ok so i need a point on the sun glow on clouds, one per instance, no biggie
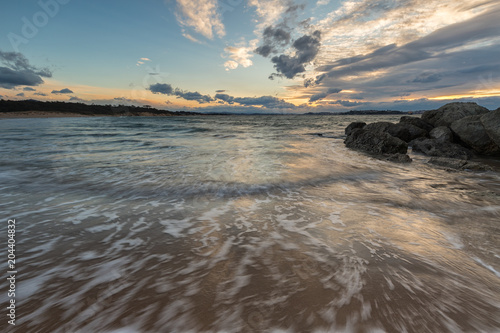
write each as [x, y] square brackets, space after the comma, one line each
[202, 16]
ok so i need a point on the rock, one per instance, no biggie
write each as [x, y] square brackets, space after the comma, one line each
[375, 142]
[405, 131]
[441, 134]
[398, 158]
[471, 131]
[351, 126]
[451, 112]
[432, 147]
[459, 164]
[447, 162]
[491, 123]
[419, 122]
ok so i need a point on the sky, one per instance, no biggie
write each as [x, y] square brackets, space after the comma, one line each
[246, 56]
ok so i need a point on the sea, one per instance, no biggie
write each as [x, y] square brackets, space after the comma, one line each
[250, 223]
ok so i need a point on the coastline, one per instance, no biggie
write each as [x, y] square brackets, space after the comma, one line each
[39, 114]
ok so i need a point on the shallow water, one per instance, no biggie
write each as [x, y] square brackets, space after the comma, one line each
[241, 224]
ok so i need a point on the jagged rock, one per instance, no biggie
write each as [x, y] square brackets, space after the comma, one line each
[407, 132]
[375, 142]
[441, 134]
[459, 164]
[416, 122]
[432, 147]
[398, 158]
[471, 131]
[352, 126]
[491, 123]
[447, 114]
[403, 131]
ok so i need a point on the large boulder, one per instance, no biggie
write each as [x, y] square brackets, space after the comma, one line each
[352, 126]
[432, 147]
[442, 134]
[375, 142]
[403, 131]
[447, 114]
[406, 132]
[491, 123]
[415, 121]
[470, 130]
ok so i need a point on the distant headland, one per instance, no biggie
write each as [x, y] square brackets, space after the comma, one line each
[39, 109]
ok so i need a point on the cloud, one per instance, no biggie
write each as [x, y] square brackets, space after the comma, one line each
[62, 91]
[145, 59]
[451, 61]
[427, 78]
[202, 16]
[166, 89]
[76, 99]
[39, 94]
[20, 95]
[269, 102]
[190, 37]
[18, 72]
[240, 55]
[306, 49]
[161, 88]
[320, 96]
[28, 89]
[193, 96]
[220, 91]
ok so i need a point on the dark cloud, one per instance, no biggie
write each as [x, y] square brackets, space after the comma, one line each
[274, 39]
[220, 91]
[29, 89]
[427, 78]
[225, 97]
[277, 35]
[62, 91]
[76, 99]
[306, 48]
[161, 88]
[20, 95]
[18, 72]
[263, 101]
[193, 96]
[317, 97]
[320, 96]
[166, 89]
[40, 94]
[264, 50]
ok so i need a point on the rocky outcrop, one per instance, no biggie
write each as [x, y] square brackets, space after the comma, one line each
[441, 134]
[403, 131]
[419, 122]
[491, 123]
[471, 131]
[375, 142]
[432, 147]
[452, 135]
[352, 126]
[447, 114]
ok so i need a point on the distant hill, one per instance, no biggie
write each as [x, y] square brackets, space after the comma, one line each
[85, 109]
